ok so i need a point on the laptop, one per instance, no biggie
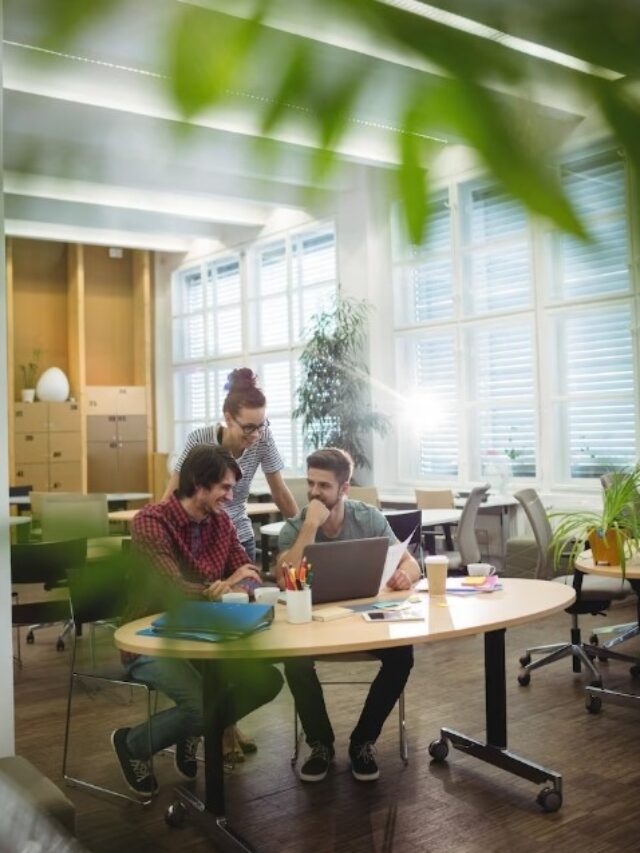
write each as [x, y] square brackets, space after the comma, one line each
[346, 569]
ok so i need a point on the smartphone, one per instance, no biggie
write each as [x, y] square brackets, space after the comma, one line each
[410, 615]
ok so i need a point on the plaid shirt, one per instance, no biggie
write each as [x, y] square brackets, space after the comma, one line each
[185, 555]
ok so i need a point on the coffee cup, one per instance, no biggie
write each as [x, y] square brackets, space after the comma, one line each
[235, 598]
[436, 567]
[480, 570]
[266, 594]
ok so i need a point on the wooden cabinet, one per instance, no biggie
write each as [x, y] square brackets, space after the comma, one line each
[117, 451]
[88, 311]
[48, 447]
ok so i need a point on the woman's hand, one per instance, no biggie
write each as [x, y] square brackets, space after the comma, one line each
[241, 574]
[216, 590]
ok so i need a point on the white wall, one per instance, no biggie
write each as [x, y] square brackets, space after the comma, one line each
[7, 732]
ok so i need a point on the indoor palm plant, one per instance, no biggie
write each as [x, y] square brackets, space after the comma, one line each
[613, 533]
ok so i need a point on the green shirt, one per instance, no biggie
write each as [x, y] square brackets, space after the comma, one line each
[361, 521]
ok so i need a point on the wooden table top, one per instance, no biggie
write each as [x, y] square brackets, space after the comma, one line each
[446, 617]
[632, 569]
[253, 510]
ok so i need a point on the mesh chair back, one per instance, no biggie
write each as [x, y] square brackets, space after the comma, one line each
[434, 499]
[366, 494]
[46, 562]
[466, 540]
[73, 515]
[533, 508]
[298, 488]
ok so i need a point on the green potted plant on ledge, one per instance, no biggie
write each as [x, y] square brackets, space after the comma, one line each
[29, 373]
[613, 533]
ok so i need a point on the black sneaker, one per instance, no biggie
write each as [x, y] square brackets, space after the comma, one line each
[317, 764]
[363, 761]
[137, 773]
[185, 757]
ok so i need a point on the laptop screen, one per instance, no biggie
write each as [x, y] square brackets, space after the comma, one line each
[346, 569]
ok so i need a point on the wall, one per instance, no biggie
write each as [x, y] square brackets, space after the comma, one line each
[7, 742]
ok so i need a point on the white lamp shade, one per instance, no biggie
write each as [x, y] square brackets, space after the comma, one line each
[53, 386]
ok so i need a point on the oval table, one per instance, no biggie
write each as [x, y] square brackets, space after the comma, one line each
[445, 618]
[595, 695]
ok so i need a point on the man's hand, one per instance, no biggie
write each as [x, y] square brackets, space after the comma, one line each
[241, 574]
[399, 580]
[216, 590]
[317, 513]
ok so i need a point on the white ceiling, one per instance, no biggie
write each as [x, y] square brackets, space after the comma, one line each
[93, 148]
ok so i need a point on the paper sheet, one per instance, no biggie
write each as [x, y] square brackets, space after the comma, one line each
[394, 555]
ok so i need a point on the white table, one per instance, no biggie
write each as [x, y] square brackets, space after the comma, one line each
[113, 498]
[446, 617]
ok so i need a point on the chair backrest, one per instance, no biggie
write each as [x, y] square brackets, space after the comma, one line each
[19, 491]
[98, 592]
[298, 488]
[366, 494]
[46, 562]
[536, 514]
[434, 499]
[406, 524]
[73, 515]
[466, 539]
[609, 479]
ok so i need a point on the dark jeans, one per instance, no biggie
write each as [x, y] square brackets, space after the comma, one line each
[249, 685]
[249, 546]
[383, 694]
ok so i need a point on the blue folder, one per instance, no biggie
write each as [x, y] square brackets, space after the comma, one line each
[212, 620]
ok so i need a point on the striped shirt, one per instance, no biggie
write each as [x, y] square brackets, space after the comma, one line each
[264, 453]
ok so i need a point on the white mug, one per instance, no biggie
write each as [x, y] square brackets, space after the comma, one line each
[235, 598]
[480, 570]
[266, 594]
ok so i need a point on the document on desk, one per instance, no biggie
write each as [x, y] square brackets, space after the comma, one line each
[394, 555]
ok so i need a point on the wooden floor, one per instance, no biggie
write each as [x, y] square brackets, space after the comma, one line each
[462, 806]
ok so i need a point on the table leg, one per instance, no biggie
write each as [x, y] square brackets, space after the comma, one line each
[495, 751]
[211, 814]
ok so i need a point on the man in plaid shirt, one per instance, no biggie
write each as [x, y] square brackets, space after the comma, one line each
[190, 549]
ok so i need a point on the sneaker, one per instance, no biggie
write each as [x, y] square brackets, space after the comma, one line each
[363, 761]
[136, 772]
[185, 757]
[317, 764]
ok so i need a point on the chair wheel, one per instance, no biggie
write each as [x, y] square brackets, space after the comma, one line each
[593, 640]
[549, 799]
[60, 646]
[176, 815]
[30, 638]
[524, 678]
[439, 749]
[593, 704]
[635, 670]
[525, 659]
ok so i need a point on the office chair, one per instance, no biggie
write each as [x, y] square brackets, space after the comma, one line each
[629, 629]
[66, 516]
[298, 488]
[437, 499]
[467, 548]
[97, 594]
[405, 524]
[593, 595]
[366, 494]
[45, 563]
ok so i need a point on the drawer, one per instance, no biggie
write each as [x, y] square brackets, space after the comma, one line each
[64, 417]
[31, 417]
[36, 476]
[132, 400]
[31, 447]
[132, 427]
[64, 447]
[102, 427]
[65, 477]
[101, 399]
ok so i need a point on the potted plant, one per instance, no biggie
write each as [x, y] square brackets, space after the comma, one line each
[613, 533]
[29, 373]
[333, 397]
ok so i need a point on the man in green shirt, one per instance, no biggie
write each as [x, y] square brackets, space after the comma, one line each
[330, 516]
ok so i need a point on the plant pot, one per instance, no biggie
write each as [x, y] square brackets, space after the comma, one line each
[28, 395]
[605, 548]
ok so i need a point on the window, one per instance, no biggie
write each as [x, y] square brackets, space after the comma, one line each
[521, 357]
[215, 329]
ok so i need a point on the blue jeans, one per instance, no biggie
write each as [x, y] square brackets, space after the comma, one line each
[249, 546]
[250, 685]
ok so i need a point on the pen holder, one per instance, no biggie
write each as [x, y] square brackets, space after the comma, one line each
[299, 605]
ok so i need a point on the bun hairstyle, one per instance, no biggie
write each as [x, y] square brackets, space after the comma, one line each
[242, 392]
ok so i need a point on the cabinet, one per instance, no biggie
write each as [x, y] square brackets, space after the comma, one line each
[88, 311]
[48, 451]
[117, 449]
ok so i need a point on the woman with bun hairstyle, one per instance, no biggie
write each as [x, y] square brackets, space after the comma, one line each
[246, 435]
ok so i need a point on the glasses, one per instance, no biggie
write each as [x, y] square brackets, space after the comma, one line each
[249, 429]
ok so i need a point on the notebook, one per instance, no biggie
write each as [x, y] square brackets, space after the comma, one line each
[346, 569]
[217, 618]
